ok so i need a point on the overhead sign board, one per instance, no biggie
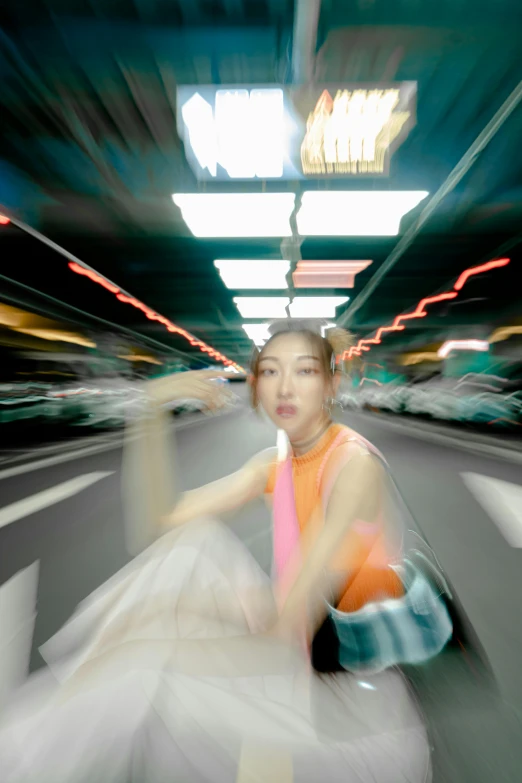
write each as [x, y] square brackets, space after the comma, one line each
[274, 132]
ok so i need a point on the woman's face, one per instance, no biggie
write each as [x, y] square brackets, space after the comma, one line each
[291, 385]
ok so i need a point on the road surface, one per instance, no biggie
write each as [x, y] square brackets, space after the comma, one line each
[67, 515]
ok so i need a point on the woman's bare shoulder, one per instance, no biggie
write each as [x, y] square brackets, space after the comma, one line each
[350, 454]
[348, 441]
[264, 460]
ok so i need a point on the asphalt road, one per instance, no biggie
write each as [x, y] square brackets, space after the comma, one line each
[78, 539]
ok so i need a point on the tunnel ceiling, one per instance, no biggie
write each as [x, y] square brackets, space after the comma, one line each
[90, 154]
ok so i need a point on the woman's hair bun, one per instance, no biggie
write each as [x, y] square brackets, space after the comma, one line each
[340, 340]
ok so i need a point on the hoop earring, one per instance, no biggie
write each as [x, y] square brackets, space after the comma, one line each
[328, 405]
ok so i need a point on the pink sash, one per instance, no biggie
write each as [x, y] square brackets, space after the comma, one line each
[286, 530]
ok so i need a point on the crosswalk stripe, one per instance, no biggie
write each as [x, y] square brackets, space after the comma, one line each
[502, 501]
[48, 497]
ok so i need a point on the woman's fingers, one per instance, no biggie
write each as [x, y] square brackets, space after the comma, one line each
[198, 384]
[217, 374]
[216, 394]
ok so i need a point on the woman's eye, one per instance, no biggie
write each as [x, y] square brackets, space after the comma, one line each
[267, 373]
[307, 371]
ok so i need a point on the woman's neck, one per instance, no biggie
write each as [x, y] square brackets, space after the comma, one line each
[301, 446]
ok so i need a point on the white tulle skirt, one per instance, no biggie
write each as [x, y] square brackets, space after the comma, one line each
[225, 704]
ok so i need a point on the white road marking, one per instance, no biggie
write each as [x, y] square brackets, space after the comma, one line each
[503, 502]
[49, 462]
[17, 617]
[48, 497]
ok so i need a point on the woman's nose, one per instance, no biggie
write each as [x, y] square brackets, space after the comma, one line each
[285, 387]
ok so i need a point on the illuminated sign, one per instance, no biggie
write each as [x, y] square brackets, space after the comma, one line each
[352, 133]
[280, 133]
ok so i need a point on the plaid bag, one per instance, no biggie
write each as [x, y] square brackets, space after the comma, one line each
[407, 630]
[427, 632]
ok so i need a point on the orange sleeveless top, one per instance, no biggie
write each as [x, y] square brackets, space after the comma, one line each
[363, 556]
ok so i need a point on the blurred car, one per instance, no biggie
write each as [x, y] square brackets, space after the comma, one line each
[442, 399]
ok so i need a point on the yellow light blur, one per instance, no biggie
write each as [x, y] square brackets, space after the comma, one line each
[504, 332]
[11, 316]
[25, 322]
[140, 358]
[417, 358]
[56, 335]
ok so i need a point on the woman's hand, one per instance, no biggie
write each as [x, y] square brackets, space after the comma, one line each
[196, 385]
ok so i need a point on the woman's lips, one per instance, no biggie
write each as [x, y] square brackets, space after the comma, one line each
[285, 411]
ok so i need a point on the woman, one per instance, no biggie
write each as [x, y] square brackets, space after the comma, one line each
[189, 662]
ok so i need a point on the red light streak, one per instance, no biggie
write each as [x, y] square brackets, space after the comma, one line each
[509, 421]
[4, 221]
[372, 341]
[151, 314]
[478, 270]
[420, 310]
[80, 270]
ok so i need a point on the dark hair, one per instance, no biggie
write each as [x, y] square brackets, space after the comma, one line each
[321, 345]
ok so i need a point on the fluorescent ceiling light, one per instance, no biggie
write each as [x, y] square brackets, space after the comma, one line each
[355, 213]
[316, 306]
[258, 333]
[262, 306]
[327, 274]
[462, 345]
[254, 274]
[237, 214]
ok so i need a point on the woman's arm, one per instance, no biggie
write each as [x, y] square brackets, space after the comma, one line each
[226, 494]
[151, 495]
[150, 478]
[149, 472]
[355, 494]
